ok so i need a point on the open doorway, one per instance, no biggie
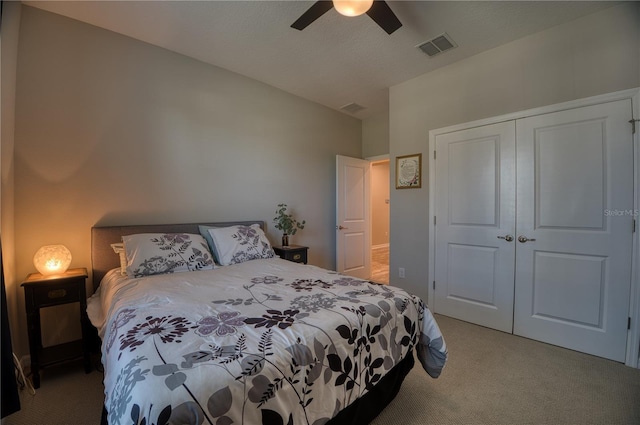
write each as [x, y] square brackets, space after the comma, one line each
[380, 221]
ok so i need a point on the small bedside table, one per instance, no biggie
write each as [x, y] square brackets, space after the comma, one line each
[295, 253]
[46, 291]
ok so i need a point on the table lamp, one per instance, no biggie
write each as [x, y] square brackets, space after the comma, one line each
[52, 259]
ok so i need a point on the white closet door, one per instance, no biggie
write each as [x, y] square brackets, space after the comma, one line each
[575, 196]
[475, 208]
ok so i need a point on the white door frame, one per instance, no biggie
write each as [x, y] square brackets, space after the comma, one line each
[372, 160]
[633, 335]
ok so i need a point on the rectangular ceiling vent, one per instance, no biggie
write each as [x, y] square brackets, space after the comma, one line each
[352, 108]
[437, 45]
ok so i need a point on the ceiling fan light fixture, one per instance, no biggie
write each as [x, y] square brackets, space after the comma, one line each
[352, 7]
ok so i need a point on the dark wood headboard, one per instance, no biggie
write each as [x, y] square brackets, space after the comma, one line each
[103, 258]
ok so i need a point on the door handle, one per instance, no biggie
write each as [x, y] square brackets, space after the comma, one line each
[523, 239]
[507, 238]
[341, 227]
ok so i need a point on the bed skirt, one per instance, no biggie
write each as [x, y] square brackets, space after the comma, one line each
[367, 407]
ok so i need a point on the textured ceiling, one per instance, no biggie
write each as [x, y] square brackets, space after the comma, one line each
[336, 60]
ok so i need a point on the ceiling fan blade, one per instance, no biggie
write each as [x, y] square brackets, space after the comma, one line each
[382, 14]
[318, 9]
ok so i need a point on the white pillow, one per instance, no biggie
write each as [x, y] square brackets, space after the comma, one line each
[118, 248]
[158, 253]
[237, 244]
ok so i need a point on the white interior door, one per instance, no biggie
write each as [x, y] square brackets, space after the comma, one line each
[353, 223]
[574, 204]
[475, 225]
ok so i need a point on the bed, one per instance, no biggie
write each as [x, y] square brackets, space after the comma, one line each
[259, 340]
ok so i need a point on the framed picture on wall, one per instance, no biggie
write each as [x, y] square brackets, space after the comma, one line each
[409, 171]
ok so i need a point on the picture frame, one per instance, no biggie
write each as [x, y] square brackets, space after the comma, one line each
[409, 171]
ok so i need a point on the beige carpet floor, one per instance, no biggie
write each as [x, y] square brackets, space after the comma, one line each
[67, 396]
[490, 378]
[496, 378]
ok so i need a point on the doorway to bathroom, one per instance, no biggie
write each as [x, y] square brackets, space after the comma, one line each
[380, 184]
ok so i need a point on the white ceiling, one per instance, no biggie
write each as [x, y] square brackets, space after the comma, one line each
[336, 60]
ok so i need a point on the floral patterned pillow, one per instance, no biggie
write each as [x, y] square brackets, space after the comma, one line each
[159, 253]
[237, 244]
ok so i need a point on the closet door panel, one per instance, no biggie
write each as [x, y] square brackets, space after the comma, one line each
[569, 173]
[574, 183]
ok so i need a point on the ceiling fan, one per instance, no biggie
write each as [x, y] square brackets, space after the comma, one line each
[377, 10]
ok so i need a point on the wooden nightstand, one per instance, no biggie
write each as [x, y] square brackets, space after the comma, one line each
[46, 291]
[295, 253]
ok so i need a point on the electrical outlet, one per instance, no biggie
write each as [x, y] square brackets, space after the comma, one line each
[401, 272]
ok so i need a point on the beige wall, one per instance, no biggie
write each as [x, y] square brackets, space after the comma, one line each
[379, 204]
[375, 135]
[110, 130]
[597, 54]
[8, 61]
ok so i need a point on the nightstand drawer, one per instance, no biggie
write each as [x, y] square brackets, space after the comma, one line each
[293, 253]
[56, 294]
[298, 257]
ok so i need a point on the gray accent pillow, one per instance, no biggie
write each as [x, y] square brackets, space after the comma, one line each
[204, 231]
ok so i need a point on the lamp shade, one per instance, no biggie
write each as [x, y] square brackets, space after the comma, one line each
[52, 259]
[352, 7]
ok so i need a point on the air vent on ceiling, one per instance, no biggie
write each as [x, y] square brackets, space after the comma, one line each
[437, 45]
[352, 108]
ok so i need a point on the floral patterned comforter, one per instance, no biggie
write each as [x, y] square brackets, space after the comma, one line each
[266, 341]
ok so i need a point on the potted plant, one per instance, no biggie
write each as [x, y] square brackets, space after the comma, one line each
[287, 223]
